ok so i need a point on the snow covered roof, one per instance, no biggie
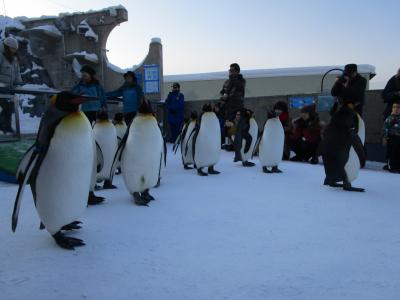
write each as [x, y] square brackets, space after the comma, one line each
[261, 73]
[7, 22]
[112, 11]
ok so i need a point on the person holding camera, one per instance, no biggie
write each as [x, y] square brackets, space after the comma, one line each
[351, 87]
[232, 93]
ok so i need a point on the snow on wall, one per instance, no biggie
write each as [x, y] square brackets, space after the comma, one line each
[48, 29]
[7, 22]
[91, 57]
[88, 31]
[120, 70]
[76, 66]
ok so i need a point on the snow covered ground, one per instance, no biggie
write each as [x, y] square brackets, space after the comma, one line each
[239, 235]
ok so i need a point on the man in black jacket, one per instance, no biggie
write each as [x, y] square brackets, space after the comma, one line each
[391, 93]
[351, 87]
[232, 92]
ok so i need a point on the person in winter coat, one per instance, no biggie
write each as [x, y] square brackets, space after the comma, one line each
[306, 135]
[282, 111]
[351, 87]
[232, 92]
[132, 96]
[9, 77]
[391, 138]
[391, 93]
[90, 86]
[175, 104]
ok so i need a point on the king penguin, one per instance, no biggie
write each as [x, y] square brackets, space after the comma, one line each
[141, 154]
[59, 168]
[271, 144]
[207, 142]
[105, 135]
[342, 147]
[121, 128]
[185, 141]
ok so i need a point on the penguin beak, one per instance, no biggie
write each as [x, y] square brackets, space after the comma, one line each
[78, 100]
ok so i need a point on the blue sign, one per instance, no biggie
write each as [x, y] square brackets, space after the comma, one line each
[325, 102]
[301, 101]
[151, 79]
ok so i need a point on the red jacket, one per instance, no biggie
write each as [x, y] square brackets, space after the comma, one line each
[309, 130]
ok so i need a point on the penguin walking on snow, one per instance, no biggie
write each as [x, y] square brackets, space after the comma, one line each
[141, 155]
[245, 138]
[271, 144]
[121, 128]
[342, 148]
[105, 135]
[59, 169]
[185, 141]
[207, 142]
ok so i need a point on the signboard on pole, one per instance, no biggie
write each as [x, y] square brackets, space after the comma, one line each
[151, 79]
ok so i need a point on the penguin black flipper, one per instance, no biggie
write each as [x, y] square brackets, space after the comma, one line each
[257, 144]
[180, 138]
[99, 158]
[22, 166]
[358, 147]
[23, 181]
[195, 132]
[118, 154]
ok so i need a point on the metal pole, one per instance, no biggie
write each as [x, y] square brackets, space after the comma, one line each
[323, 77]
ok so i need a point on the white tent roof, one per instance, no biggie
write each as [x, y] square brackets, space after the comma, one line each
[260, 73]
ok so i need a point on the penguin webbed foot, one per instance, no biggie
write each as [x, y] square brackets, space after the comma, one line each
[248, 164]
[108, 185]
[146, 195]
[93, 199]
[212, 171]
[72, 226]
[349, 188]
[276, 170]
[265, 170]
[66, 242]
[201, 172]
[140, 200]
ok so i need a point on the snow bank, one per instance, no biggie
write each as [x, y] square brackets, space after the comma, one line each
[120, 70]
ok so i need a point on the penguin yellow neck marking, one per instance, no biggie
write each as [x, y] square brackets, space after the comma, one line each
[102, 121]
[75, 119]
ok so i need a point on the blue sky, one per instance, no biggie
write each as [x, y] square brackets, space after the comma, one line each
[205, 36]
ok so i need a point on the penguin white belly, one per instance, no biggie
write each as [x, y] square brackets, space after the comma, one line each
[352, 166]
[63, 180]
[140, 161]
[187, 143]
[106, 136]
[253, 131]
[271, 144]
[208, 141]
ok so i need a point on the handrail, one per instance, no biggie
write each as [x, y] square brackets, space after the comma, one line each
[323, 77]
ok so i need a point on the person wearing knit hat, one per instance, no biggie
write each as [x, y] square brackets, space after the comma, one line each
[351, 87]
[9, 77]
[306, 135]
[132, 96]
[90, 86]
